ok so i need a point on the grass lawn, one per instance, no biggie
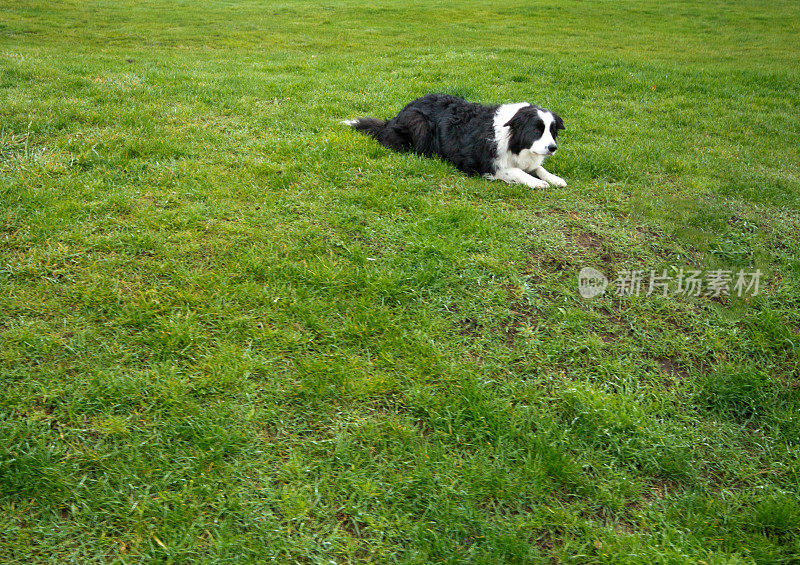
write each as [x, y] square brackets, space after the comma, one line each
[236, 331]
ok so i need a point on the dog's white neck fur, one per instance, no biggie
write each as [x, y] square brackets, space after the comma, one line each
[502, 134]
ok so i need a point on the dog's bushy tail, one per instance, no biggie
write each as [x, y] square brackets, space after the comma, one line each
[370, 126]
[388, 134]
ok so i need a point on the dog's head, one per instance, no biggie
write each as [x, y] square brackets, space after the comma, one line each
[534, 129]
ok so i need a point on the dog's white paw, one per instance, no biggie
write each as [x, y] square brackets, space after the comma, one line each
[538, 183]
[557, 181]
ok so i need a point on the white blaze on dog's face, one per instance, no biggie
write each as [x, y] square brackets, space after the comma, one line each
[546, 144]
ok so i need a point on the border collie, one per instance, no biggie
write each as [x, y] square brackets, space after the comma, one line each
[508, 142]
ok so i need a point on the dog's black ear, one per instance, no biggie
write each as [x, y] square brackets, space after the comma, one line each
[519, 133]
[517, 121]
[559, 122]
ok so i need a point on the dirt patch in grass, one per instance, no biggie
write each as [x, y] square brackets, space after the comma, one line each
[593, 244]
[588, 241]
[470, 327]
[673, 371]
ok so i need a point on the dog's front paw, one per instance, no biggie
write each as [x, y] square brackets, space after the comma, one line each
[557, 181]
[538, 183]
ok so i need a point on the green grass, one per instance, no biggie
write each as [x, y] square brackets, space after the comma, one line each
[235, 331]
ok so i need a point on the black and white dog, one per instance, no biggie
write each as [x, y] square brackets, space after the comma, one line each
[507, 142]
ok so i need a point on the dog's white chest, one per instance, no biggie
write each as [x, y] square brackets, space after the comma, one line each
[526, 160]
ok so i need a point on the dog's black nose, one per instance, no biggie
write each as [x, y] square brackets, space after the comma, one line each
[552, 148]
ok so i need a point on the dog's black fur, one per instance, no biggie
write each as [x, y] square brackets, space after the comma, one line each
[456, 130]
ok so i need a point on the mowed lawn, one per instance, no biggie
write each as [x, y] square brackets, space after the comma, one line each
[235, 331]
